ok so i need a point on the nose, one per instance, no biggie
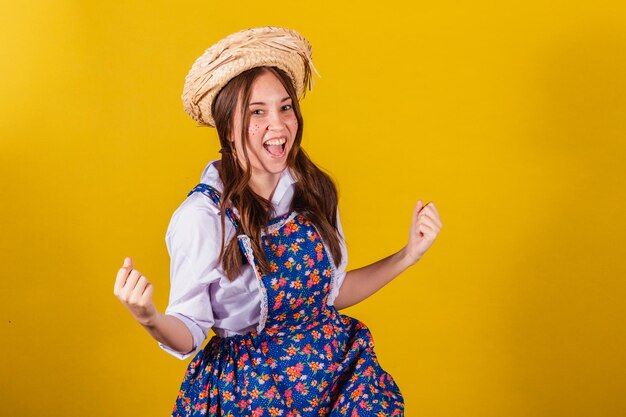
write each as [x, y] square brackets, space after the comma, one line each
[275, 121]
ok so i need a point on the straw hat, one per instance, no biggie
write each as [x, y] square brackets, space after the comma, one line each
[238, 52]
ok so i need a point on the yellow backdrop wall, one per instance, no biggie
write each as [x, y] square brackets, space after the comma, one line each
[508, 115]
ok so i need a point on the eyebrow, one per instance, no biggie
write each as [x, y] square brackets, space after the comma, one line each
[260, 102]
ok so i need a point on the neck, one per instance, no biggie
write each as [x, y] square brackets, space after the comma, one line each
[264, 184]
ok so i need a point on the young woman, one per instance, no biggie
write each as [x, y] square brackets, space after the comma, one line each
[257, 254]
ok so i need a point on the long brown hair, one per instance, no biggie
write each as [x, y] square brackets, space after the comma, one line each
[315, 195]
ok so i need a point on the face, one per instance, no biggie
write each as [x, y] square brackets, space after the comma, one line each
[272, 128]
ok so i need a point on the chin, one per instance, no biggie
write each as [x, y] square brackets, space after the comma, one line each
[275, 167]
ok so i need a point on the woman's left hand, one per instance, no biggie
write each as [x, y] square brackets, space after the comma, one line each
[425, 227]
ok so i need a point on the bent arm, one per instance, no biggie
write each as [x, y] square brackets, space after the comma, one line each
[362, 282]
[135, 292]
[170, 331]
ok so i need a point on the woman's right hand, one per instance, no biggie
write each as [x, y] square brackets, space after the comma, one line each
[135, 292]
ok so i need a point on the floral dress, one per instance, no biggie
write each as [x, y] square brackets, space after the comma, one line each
[305, 358]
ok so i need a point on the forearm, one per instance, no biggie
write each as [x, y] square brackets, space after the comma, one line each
[170, 331]
[362, 282]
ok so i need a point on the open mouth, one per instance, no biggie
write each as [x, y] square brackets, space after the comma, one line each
[275, 147]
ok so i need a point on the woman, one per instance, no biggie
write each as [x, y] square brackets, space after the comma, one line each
[257, 254]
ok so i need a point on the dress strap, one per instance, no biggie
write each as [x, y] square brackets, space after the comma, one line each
[215, 196]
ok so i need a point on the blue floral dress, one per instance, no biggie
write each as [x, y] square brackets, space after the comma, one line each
[307, 360]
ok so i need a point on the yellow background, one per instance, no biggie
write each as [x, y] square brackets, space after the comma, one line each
[508, 115]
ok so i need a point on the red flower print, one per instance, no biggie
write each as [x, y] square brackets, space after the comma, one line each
[288, 396]
[270, 393]
[275, 411]
[316, 366]
[329, 352]
[243, 360]
[314, 279]
[301, 388]
[290, 228]
[279, 300]
[328, 330]
[365, 405]
[295, 371]
[278, 283]
[293, 227]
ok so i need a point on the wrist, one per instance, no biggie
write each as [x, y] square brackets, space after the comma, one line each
[149, 321]
[405, 259]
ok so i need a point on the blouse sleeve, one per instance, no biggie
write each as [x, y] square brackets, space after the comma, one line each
[340, 270]
[193, 238]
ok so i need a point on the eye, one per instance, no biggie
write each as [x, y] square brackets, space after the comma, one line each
[287, 107]
[257, 111]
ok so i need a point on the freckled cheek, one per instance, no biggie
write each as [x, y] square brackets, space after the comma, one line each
[253, 129]
[292, 121]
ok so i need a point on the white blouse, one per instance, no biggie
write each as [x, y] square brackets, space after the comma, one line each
[201, 295]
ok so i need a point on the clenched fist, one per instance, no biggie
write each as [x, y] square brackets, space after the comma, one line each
[425, 227]
[135, 292]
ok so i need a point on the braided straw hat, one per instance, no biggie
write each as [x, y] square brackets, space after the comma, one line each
[238, 52]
